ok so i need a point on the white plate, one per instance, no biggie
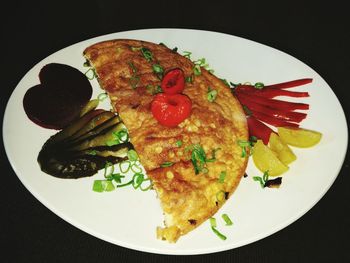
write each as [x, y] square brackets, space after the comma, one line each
[127, 217]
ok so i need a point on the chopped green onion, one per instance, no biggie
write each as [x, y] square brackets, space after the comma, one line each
[92, 152]
[260, 180]
[212, 94]
[227, 220]
[174, 49]
[221, 236]
[245, 145]
[107, 165]
[162, 44]
[157, 69]
[225, 82]
[266, 176]
[90, 73]
[212, 222]
[247, 111]
[189, 79]
[136, 168]
[132, 66]
[86, 64]
[126, 184]
[259, 85]
[187, 54]
[103, 186]
[178, 143]
[166, 164]
[132, 155]
[197, 70]
[147, 54]
[102, 96]
[122, 167]
[222, 177]
[112, 142]
[122, 135]
[117, 177]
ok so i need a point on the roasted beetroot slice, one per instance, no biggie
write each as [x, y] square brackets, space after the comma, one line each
[49, 109]
[68, 80]
[60, 97]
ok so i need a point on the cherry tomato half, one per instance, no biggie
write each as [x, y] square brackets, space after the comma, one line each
[171, 109]
[173, 81]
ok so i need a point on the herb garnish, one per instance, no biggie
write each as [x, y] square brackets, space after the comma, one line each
[213, 228]
[199, 158]
[262, 180]
[166, 164]
[227, 220]
[212, 94]
[222, 177]
[147, 54]
[178, 143]
[246, 147]
[158, 69]
[91, 74]
[259, 85]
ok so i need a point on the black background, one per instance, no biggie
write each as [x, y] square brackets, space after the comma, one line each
[316, 33]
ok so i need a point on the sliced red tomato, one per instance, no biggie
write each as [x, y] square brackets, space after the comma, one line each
[173, 81]
[171, 109]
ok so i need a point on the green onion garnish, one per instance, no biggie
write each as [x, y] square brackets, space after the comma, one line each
[102, 96]
[166, 164]
[222, 177]
[221, 236]
[92, 152]
[132, 155]
[227, 220]
[132, 66]
[246, 146]
[112, 142]
[189, 79]
[212, 222]
[117, 177]
[262, 180]
[178, 143]
[174, 49]
[220, 196]
[147, 54]
[125, 166]
[103, 186]
[225, 82]
[136, 168]
[211, 95]
[91, 73]
[187, 54]
[259, 85]
[197, 70]
[157, 69]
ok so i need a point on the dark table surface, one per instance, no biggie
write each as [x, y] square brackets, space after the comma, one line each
[317, 34]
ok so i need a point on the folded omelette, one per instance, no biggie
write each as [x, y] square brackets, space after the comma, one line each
[204, 161]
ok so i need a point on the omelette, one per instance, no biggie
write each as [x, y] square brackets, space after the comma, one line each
[204, 162]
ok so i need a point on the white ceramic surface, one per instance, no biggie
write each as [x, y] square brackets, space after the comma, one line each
[129, 218]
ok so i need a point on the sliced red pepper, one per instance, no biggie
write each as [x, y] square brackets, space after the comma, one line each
[290, 84]
[171, 109]
[280, 104]
[173, 81]
[269, 92]
[259, 129]
[277, 113]
[272, 120]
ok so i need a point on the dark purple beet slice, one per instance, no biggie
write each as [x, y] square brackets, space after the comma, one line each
[63, 77]
[60, 97]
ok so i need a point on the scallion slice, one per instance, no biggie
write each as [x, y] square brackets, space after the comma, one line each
[212, 222]
[132, 155]
[147, 54]
[227, 220]
[212, 94]
[166, 164]
[222, 177]
[221, 236]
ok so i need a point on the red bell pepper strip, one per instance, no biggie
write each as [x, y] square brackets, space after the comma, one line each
[268, 92]
[277, 113]
[259, 129]
[290, 84]
[280, 104]
[272, 120]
